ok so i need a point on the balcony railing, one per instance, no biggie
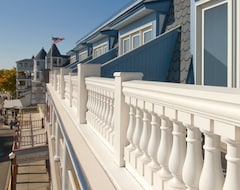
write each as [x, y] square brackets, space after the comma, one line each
[168, 136]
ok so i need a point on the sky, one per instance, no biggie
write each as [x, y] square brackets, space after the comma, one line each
[27, 26]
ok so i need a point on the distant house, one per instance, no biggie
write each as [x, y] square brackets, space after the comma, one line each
[24, 73]
[33, 74]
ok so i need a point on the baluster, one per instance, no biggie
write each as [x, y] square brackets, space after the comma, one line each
[177, 156]
[232, 180]
[112, 126]
[106, 114]
[102, 107]
[193, 162]
[109, 133]
[144, 140]
[153, 147]
[137, 135]
[98, 99]
[103, 111]
[88, 113]
[109, 117]
[212, 175]
[95, 104]
[130, 133]
[163, 154]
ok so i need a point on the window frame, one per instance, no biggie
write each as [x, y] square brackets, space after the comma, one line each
[102, 48]
[200, 9]
[82, 55]
[131, 34]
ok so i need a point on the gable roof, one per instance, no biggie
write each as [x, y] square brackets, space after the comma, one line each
[41, 55]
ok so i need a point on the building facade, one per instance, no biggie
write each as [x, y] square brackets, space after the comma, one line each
[150, 100]
[33, 74]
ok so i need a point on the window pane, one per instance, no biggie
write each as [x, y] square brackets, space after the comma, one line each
[126, 45]
[136, 41]
[147, 36]
[215, 46]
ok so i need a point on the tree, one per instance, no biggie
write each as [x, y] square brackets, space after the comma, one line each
[8, 80]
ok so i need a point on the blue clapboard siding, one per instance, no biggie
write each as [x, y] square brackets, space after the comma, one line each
[105, 57]
[152, 59]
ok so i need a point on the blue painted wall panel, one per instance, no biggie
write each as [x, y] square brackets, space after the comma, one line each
[152, 59]
[105, 57]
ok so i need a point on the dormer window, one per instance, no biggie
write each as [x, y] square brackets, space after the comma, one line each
[99, 50]
[83, 55]
[136, 38]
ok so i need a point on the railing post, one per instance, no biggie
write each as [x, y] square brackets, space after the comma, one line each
[85, 70]
[121, 116]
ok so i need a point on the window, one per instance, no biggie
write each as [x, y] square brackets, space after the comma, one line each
[135, 41]
[73, 59]
[136, 38]
[82, 55]
[126, 45]
[147, 36]
[215, 43]
[99, 50]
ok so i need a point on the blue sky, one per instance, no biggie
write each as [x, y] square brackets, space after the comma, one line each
[28, 25]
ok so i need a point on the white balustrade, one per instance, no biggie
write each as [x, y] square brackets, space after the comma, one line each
[179, 163]
[100, 107]
[174, 133]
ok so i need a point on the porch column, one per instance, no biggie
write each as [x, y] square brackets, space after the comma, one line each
[121, 116]
[85, 70]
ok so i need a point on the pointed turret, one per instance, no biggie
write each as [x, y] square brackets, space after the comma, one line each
[41, 55]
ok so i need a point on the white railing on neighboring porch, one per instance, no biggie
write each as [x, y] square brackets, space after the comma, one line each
[169, 136]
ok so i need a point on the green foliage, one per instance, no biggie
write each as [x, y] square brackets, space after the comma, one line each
[8, 80]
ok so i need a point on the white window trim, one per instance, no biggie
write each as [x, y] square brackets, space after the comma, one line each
[140, 40]
[237, 10]
[145, 31]
[199, 40]
[103, 45]
[137, 31]
[81, 54]
[123, 47]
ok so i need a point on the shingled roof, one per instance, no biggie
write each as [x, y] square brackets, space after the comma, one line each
[179, 15]
[41, 55]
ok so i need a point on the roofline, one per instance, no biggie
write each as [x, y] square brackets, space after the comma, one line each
[123, 11]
